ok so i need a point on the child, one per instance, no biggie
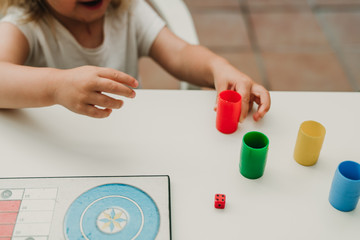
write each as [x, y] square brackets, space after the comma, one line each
[71, 52]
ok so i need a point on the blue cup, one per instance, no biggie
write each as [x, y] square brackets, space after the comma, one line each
[345, 188]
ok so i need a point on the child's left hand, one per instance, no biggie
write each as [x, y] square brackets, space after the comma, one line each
[199, 66]
[227, 77]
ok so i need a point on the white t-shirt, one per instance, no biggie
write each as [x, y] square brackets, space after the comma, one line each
[127, 36]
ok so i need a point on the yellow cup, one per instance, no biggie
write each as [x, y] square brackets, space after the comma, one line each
[309, 142]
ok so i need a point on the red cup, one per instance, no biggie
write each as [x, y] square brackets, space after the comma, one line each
[228, 111]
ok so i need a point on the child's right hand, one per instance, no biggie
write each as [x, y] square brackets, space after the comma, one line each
[81, 89]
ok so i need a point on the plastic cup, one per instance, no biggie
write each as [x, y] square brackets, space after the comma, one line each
[253, 155]
[345, 188]
[228, 111]
[309, 142]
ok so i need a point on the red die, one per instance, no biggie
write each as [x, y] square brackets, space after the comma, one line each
[220, 200]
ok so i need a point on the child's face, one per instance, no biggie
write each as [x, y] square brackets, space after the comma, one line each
[80, 10]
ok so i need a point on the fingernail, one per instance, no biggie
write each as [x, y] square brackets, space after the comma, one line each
[136, 83]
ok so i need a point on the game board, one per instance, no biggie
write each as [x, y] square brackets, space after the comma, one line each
[89, 208]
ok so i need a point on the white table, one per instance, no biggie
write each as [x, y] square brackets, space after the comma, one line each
[173, 133]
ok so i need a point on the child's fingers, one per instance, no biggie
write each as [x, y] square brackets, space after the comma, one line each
[244, 91]
[104, 101]
[245, 101]
[118, 77]
[92, 111]
[262, 110]
[262, 98]
[108, 86]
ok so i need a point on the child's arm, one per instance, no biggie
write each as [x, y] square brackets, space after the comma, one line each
[200, 66]
[78, 89]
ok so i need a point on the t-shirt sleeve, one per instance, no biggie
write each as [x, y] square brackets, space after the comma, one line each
[148, 25]
[15, 16]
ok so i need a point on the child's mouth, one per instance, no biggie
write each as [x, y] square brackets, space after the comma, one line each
[94, 4]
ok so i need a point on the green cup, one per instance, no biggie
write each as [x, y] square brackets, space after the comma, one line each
[253, 155]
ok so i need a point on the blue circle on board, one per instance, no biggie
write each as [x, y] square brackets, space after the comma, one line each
[112, 211]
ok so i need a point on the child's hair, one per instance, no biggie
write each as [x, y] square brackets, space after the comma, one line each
[39, 9]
